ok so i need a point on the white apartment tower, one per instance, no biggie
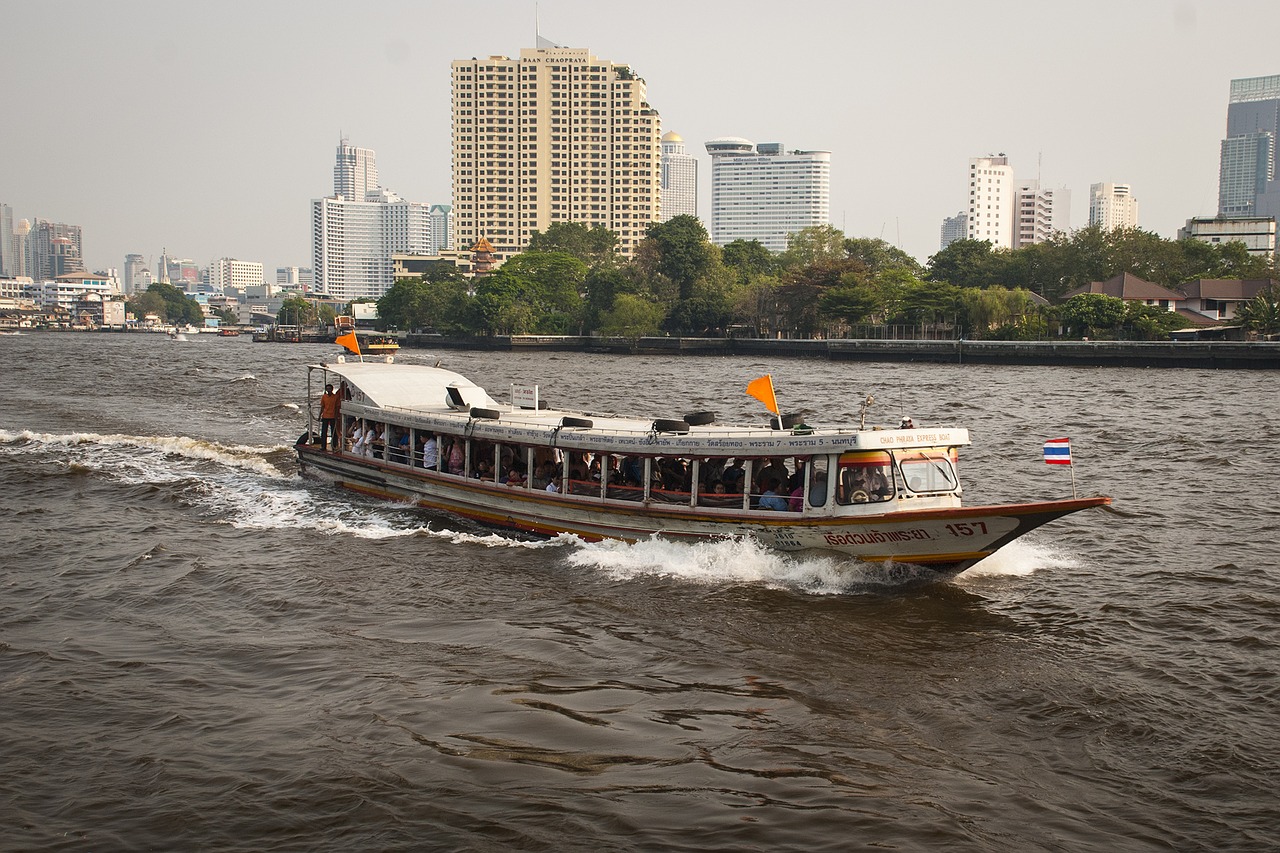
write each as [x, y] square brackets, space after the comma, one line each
[679, 179]
[1112, 206]
[1034, 212]
[352, 240]
[557, 135]
[953, 228]
[991, 201]
[764, 192]
[355, 174]
[227, 273]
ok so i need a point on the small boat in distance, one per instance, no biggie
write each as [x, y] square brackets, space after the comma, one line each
[431, 436]
[228, 333]
[378, 344]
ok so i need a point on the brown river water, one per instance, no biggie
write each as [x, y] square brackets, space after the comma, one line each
[201, 651]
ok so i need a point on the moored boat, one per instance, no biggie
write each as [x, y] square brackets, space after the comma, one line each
[431, 436]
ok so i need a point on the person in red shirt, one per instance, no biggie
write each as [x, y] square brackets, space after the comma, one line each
[329, 407]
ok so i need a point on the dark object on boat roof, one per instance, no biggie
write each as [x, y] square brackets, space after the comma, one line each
[665, 425]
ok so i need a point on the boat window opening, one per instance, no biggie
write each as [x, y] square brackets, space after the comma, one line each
[819, 485]
[774, 482]
[928, 471]
[670, 480]
[864, 477]
[580, 482]
[621, 484]
[398, 445]
[717, 490]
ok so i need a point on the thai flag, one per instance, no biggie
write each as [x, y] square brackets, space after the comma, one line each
[1057, 451]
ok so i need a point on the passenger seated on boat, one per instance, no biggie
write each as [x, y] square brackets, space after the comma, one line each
[358, 435]
[633, 470]
[457, 457]
[428, 451]
[594, 471]
[734, 476]
[515, 478]
[772, 469]
[483, 470]
[770, 499]
[375, 444]
[548, 474]
[399, 449]
[796, 502]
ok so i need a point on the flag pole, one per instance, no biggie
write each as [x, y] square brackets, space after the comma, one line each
[1072, 467]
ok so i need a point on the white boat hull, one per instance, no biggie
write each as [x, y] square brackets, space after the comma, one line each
[947, 540]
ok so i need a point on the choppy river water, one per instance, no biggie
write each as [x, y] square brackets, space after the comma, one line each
[199, 650]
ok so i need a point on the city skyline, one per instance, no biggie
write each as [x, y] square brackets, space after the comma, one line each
[882, 88]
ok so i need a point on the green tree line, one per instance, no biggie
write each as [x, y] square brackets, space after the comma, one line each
[571, 280]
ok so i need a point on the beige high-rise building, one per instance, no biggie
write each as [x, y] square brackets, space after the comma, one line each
[557, 135]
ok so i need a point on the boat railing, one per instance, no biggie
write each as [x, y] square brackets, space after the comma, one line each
[526, 419]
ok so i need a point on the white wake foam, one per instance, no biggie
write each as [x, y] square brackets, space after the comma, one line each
[738, 561]
[232, 456]
[1021, 558]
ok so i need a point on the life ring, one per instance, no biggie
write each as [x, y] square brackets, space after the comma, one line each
[700, 418]
[585, 423]
[860, 496]
[666, 425]
[486, 414]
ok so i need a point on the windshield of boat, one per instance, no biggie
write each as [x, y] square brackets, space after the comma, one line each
[927, 471]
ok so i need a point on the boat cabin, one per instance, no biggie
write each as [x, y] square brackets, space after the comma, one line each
[436, 425]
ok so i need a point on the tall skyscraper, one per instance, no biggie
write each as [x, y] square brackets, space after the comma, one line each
[557, 135]
[352, 240]
[21, 250]
[54, 249]
[954, 228]
[679, 179]
[764, 192]
[991, 201]
[134, 265]
[1112, 206]
[1034, 223]
[6, 240]
[1249, 168]
[355, 174]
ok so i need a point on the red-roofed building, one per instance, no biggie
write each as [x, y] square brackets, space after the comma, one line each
[1130, 288]
[1219, 299]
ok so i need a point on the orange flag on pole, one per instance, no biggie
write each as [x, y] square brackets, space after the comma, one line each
[762, 390]
[349, 341]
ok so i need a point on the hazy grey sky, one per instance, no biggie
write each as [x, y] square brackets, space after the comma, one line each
[207, 128]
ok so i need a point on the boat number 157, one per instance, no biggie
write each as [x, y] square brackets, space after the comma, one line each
[968, 529]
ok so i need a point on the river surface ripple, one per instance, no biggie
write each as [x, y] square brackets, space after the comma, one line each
[200, 650]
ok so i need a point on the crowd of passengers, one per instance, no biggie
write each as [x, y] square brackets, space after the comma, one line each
[776, 484]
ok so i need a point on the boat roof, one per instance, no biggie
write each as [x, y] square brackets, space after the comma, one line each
[439, 394]
[408, 386]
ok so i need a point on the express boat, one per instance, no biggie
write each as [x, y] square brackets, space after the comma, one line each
[432, 437]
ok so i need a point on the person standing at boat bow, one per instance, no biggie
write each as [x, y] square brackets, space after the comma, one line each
[329, 403]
